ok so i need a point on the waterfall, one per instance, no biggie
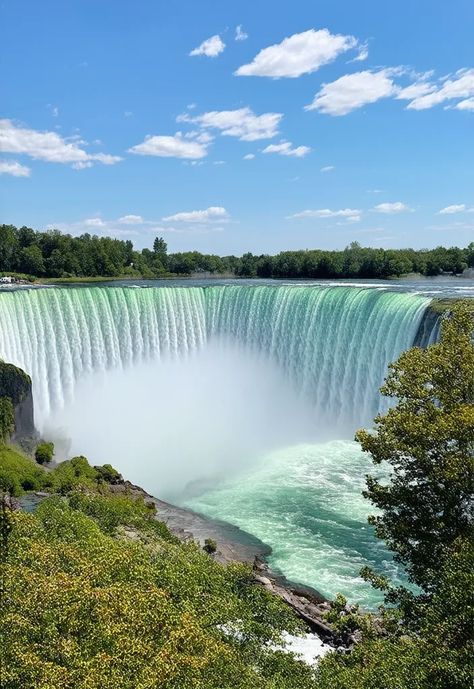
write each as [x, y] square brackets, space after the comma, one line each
[333, 343]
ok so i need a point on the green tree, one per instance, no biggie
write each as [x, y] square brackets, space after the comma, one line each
[160, 247]
[427, 438]
[31, 260]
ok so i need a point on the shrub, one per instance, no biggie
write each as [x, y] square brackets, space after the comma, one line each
[44, 453]
[18, 473]
[210, 546]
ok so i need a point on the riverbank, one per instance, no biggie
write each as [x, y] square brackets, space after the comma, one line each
[235, 545]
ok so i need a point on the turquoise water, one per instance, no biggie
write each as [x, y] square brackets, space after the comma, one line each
[306, 503]
[330, 344]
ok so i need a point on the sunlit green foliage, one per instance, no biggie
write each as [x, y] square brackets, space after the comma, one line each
[18, 473]
[427, 438]
[86, 610]
[44, 453]
[53, 254]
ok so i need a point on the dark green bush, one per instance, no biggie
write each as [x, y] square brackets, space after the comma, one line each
[44, 453]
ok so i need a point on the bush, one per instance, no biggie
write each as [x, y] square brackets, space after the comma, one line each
[85, 609]
[111, 511]
[44, 453]
[210, 546]
[77, 473]
[18, 473]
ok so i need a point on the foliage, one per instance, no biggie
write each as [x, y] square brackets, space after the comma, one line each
[210, 546]
[108, 474]
[56, 255]
[18, 473]
[428, 440]
[44, 453]
[439, 656]
[88, 610]
[345, 619]
[7, 419]
[74, 474]
[14, 383]
[111, 511]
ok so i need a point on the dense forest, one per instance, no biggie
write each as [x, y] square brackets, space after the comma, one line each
[52, 254]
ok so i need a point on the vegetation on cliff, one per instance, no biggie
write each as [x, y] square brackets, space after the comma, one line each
[97, 594]
[52, 254]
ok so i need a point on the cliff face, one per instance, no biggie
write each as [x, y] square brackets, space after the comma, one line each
[16, 384]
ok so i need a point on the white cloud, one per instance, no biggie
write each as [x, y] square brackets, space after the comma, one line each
[467, 104]
[461, 86]
[389, 208]
[416, 90]
[48, 146]
[240, 34]
[455, 208]
[131, 220]
[301, 53]
[352, 91]
[211, 214]
[94, 222]
[363, 53]
[14, 168]
[242, 123]
[170, 147]
[351, 214]
[211, 47]
[249, 156]
[327, 168]
[285, 149]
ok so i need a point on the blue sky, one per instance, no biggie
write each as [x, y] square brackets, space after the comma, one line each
[312, 125]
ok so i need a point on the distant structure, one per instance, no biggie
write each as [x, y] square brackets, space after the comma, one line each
[7, 280]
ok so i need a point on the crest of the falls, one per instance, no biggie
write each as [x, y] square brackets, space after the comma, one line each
[332, 343]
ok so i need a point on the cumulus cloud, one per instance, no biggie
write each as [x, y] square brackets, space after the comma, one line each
[131, 220]
[285, 148]
[351, 214]
[353, 91]
[389, 208]
[249, 156]
[94, 222]
[467, 104]
[301, 53]
[327, 168]
[211, 47]
[175, 146]
[14, 168]
[240, 34]
[455, 208]
[48, 146]
[209, 215]
[461, 86]
[242, 123]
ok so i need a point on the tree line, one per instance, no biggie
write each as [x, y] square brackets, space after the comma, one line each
[54, 254]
